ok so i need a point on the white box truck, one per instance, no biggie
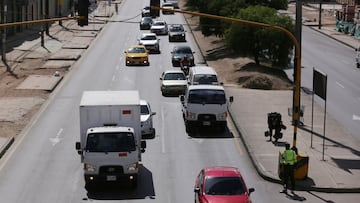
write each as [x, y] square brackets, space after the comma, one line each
[110, 136]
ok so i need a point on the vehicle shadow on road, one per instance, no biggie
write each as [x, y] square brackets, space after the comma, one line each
[144, 190]
[211, 132]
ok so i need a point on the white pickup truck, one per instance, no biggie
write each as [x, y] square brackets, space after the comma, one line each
[204, 105]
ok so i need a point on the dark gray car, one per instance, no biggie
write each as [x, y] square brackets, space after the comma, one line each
[177, 33]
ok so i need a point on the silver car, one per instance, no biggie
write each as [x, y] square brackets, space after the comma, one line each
[159, 27]
[173, 82]
[147, 129]
[151, 42]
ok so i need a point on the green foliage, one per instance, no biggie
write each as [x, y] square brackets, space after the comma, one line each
[261, 43]
[227, 8]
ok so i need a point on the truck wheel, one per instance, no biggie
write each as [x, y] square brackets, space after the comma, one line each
[189, 128]
[90, 187]
[222, 128]
[134, 183]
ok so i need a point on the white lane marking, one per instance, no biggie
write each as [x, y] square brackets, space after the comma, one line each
[117, 67]
[55, 140]
[162, 130]
[340, 85]
[120, 59]
[113, 78]
[356, 117]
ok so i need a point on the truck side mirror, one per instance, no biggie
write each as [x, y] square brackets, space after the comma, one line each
[231, 99]
[143, 144]
[182, 99]
[78, 148]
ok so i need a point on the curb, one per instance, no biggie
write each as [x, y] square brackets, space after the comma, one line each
[6, 146]
[299, 187]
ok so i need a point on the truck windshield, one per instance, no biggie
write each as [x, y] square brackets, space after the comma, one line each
[110, 142]
[207, 97]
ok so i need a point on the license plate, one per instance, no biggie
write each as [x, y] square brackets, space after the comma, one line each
[206, 123]
[111, 178]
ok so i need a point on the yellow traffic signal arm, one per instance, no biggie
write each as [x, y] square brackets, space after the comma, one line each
[50, 20]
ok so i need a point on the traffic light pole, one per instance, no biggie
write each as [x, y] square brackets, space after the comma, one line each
[50, 20]
[297, 73]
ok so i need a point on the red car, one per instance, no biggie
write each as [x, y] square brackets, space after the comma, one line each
[221, 184]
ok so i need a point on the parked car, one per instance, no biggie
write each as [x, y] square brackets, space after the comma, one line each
[137, 55]
[145, 12]
[180, 52]
[173, 82]
[167, 5]
[177, 33]
[147, 129]
[159, 27]
[145, 23]
[221, 184]
[151, 42]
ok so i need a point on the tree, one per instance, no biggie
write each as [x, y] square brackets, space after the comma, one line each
[261, 43]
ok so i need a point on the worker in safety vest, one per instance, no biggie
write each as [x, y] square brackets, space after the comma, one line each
[288, 160]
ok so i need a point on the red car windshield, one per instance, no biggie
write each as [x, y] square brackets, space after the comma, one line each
[224, 186]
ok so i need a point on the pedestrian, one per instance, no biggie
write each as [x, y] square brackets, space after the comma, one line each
[288, 160]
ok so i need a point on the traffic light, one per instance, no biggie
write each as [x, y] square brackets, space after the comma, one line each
[154, 12]
[83, 11]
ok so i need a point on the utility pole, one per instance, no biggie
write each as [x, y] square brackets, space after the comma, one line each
[296, 101]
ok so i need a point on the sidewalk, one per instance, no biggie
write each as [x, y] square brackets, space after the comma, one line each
[340, 169]
[333, 167]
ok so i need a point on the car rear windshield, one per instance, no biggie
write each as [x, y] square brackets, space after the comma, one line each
[110, 142]
[148, 37]
[176, 29]
[174, 76]
[224, 186]
[136, 50]
[205, 79]
[184, 50]
[207, 97]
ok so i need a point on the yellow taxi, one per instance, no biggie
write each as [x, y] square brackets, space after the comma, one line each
[137, 55]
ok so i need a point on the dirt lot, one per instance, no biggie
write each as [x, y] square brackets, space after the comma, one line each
[232, 71]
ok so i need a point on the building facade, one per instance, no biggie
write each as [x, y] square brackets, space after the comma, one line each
[27, 10]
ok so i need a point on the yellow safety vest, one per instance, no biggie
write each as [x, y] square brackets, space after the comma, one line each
[289, 157]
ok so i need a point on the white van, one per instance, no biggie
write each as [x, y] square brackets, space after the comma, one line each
[204, 105]
[203, 75]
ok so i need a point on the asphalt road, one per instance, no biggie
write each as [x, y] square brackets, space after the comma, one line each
[336, 61]
[43, 166]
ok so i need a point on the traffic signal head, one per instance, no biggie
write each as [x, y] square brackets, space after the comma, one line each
[154, 12]
[83, 6]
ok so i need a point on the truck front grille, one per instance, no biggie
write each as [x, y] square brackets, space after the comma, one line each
[111, 170]
[206, 117]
